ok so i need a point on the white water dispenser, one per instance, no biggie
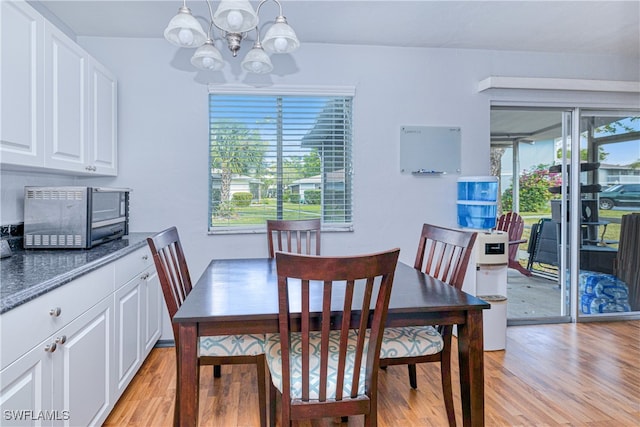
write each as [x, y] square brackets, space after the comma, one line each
[492, 258]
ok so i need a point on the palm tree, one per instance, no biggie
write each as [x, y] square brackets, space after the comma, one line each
[235, 149]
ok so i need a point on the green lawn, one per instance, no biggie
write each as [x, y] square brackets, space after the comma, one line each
[258, 213]
[612, 231]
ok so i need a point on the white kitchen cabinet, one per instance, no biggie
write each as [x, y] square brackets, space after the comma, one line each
[138, 315]
[66, 99]
[128, 332]
[21, 85]
[44, 316]
[66, 379]
[102, 120]
[26, 388]
[58, 103]
[82, 370]
[154, 306]
[77, 347]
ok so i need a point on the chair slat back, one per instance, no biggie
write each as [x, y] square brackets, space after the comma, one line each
[295, 236]
[512, 223]
[444, 253]
[171, 266]
[316, 282]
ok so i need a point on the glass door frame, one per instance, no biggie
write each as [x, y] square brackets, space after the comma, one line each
[573, 107]
[570, 259]
[578, 114]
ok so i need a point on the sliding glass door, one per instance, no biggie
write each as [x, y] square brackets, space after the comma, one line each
[609, 235]
[526, 150]
[581, 261]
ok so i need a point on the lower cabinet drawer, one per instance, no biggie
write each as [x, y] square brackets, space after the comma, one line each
[29, 324]
[132, 265]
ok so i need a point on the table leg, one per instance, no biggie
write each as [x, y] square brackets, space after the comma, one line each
[187, 379]
[471, 359]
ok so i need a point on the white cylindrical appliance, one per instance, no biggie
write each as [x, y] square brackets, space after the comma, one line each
[492, 258]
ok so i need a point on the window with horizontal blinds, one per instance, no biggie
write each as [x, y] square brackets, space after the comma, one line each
[279, 157]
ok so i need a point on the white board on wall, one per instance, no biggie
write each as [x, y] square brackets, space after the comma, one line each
[430, 150]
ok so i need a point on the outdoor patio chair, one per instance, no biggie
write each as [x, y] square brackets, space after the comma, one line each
[513, 224]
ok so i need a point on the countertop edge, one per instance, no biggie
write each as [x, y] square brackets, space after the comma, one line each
[35, 291]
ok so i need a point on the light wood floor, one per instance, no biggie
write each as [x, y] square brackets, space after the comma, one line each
[550, 375]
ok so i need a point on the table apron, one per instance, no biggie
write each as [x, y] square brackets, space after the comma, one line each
[426, 318]
[236, 327]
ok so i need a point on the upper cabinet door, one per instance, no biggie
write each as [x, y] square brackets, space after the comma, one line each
[21, 83]
[66, 102]
[103, 139]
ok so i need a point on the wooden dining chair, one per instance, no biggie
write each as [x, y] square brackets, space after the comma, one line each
[513, 224]
[324, 361]
[444, 254]
[175, 280]
[297, 236]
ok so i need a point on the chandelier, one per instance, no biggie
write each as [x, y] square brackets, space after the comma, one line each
[235, 19]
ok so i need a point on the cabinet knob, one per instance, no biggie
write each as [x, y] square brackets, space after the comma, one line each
[145, 257]
[55, 312]
[50, 348]
[145, 276]
[61, 339]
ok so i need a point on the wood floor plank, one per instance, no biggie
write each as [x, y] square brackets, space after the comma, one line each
[584, 374]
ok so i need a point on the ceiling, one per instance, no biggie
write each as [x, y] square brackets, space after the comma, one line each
[584, 27]
[590, 27]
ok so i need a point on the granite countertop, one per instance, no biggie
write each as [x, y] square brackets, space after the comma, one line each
[27, 274]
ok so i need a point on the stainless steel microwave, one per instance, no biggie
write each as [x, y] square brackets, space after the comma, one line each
[73, 216]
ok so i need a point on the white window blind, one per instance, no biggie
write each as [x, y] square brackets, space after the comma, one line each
[279, 157]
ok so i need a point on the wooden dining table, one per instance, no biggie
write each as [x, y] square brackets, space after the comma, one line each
[240, 296]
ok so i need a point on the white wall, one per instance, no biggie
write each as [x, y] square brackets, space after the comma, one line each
[12, 196]
[163, 131]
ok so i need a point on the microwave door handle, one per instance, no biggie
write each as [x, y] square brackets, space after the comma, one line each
[111, 190]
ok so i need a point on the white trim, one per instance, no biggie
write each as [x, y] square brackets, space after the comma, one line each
[498, 82]
[283, 90]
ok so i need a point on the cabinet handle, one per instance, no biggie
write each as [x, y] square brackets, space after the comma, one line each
[61, 340]
[55, 312]
[145, 276]
[145, 257]
[50, 348]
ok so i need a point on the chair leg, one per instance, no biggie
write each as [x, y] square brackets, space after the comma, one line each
[370, 420]
[217, 372]
[447, 390]
[413, 381]
[176, 406]
[516, 265]
[261, 366]
[272, 404]
[285, 411]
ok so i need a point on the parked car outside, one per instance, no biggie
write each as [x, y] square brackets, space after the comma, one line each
[620, 195]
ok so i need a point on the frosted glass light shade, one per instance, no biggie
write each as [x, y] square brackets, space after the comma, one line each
[235, 16]
[257, 61]
[184, 30]
[207, 57]
[280, 37]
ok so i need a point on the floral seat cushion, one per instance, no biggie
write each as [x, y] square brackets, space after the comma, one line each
[274, 361]
[410, 341]
[232, 345]
[397, 342]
